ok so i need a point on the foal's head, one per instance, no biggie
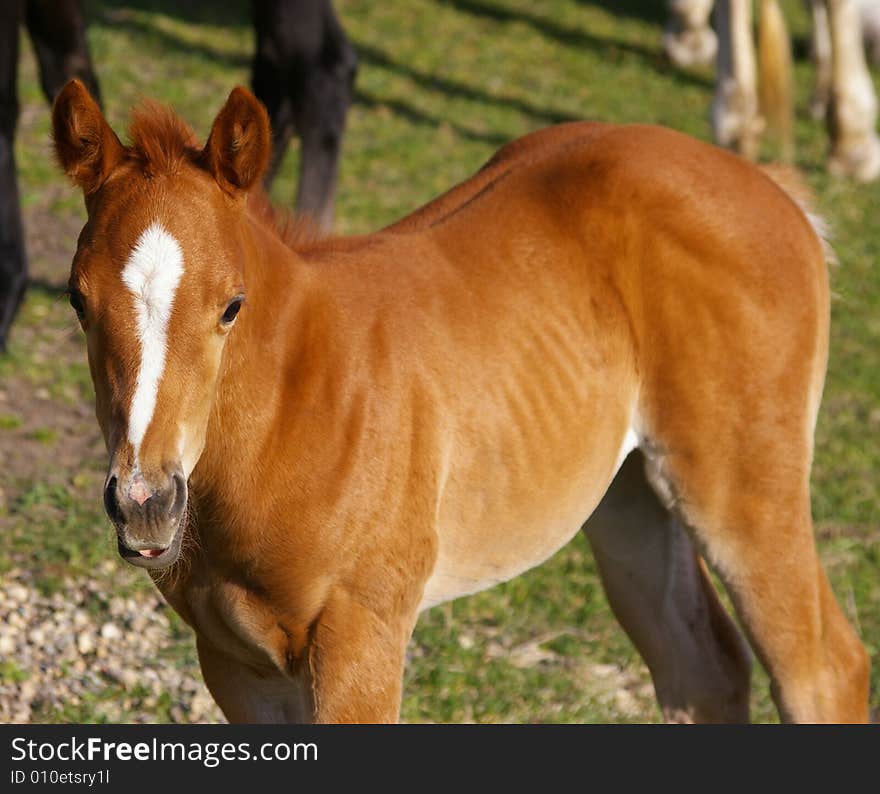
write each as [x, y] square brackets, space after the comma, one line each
[157, 284]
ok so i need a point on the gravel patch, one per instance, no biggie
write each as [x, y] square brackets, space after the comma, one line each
[85, 651]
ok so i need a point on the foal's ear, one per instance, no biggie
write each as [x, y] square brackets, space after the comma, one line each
[87, 148]
[237, 151]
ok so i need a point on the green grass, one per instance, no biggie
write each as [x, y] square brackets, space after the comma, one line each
[57, 530]
[9, 422]
[10, 672]
[442, 84]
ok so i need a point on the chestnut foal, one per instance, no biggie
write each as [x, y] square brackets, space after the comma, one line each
[312, 440]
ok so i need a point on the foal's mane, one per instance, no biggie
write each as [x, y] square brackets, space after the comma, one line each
[298, 232]
[163, 143]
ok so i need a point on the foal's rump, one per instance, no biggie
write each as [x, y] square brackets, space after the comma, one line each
[615, 284]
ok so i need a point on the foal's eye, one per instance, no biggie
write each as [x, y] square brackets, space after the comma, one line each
[232, 310]
[76, 302]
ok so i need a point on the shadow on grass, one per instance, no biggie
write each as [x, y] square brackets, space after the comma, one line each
[375, 57]
[211, 12]
[651, 12]
[423, 119]
[605, 47]
[122, 18]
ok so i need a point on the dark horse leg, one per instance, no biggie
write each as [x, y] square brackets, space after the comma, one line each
[57, 29]
[13, 265]
[303, 72]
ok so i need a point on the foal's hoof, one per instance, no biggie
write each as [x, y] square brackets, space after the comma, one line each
[858, 159]
[690, 47]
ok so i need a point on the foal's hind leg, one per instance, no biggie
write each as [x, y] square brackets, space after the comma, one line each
[660, 593]
[734, 461]
[757, 532]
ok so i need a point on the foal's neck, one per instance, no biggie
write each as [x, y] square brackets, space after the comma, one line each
[256, 370]
[278, 283]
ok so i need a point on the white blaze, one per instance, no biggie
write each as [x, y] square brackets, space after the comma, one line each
[152, 273]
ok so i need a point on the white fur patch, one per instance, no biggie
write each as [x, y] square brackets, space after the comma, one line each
[152, 273]
[630, 442]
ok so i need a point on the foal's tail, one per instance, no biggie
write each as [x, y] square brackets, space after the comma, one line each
[775, 77]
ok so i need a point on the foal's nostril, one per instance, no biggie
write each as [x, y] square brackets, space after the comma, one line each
[111, 502]
[179, 494]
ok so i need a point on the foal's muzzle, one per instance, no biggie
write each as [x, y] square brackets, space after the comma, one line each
[148, 519]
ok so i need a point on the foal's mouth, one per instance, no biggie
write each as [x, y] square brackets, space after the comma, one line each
[149, 522]
[153, 558]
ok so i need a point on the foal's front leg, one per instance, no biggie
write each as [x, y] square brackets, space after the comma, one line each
[250, 695]
[350, 670]
[356, 660]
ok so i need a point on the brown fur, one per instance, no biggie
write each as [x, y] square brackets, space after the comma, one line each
[239, 146]
[298, 232]
[402, 418]
[86, 148]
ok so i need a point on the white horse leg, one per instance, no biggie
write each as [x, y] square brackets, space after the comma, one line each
[871, 28]
[688, 38]
[736, 122]
[855, 147]
[820, 54]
